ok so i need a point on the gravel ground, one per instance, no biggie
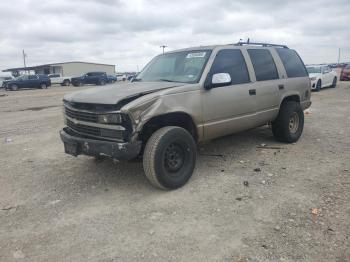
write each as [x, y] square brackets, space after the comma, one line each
[243, 203]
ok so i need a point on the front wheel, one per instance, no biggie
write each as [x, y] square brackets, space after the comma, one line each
[289, 123]
[169, 157]
[43, 86]
[14, 87]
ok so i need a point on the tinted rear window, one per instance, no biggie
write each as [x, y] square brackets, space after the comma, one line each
[231, 61]
[263, 63]
[292, 62]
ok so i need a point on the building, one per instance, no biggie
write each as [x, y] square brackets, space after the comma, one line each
[74, 68]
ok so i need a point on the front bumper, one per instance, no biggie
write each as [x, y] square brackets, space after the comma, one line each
[76, 145]
[313, 84]
[305, 104]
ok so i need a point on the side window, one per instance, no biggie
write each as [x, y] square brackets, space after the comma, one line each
[264, 66]
[231, 61]
[32, 77]
[292, 62]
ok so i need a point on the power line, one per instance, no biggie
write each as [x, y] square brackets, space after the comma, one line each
[24, 58]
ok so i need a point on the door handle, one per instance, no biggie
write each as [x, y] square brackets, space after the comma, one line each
[280, 87]
[252, 92]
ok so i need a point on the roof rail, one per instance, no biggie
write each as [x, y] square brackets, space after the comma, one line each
[260, 44]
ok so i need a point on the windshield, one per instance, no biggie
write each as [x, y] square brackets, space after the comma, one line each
[313, 69]
[22, 77]
[184, 67]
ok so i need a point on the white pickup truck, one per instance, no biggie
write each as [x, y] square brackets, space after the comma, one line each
[61, 80]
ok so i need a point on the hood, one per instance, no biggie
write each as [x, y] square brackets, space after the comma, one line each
[114, 93]
[77, 78]
[314, 74]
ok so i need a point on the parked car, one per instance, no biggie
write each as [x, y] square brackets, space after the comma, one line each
[4, 80]
[185, 97]
[29, 81]
[95, 78]
[121, 77]
[345, 73]
[111, 79]
[321, 76]
[58, 79]
[131, 77]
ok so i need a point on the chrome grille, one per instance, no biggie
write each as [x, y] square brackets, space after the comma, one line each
[79, 115]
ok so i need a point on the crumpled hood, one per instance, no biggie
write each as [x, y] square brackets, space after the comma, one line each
[112, 94]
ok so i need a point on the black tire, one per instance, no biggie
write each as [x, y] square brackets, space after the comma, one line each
[283, 128]
[66, 82]
[318, 85]
[334, 83]
[14, 87]
[102, 82]
[169, 157]
[43, 86]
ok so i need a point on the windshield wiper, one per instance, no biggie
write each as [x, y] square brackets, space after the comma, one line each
[166, 80]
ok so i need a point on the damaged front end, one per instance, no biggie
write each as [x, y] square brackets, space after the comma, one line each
[98, 130]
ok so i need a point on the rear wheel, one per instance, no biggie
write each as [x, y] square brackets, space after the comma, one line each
[66, 82]
[334, 83]
[318, 85]
[289, 123]
[169, 157]
[102, 82]
[43, 86]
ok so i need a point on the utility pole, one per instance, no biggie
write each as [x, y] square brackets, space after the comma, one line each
[163, 46]
[338, 55]
[24, 58]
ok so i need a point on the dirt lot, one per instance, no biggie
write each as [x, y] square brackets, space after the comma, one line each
[54, 207]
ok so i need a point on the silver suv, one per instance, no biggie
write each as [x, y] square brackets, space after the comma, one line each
[188, 96]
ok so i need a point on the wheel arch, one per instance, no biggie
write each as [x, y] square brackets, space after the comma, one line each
[178, 118]
[290, 97]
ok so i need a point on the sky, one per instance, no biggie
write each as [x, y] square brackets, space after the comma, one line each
[129, 33]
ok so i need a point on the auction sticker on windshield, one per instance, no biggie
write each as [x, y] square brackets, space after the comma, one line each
[195, 55]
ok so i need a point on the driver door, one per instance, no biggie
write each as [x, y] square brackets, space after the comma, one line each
[229, 108]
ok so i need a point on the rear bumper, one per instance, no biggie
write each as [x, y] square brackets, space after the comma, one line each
[76, 145]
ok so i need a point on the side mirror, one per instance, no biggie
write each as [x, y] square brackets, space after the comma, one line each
[217, 80]
[221, 79]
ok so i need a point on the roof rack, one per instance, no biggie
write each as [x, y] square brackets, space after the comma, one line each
[260, 44]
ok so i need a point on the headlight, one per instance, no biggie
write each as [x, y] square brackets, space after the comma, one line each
[110, 119]
[312, 78]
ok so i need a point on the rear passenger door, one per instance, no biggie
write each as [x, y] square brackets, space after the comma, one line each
[33, 81]
[230, 108]
[327, 76]
[267, 84]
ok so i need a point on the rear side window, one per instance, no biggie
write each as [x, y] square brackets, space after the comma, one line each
[292, 62]
[264, 66]
[231, 61]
